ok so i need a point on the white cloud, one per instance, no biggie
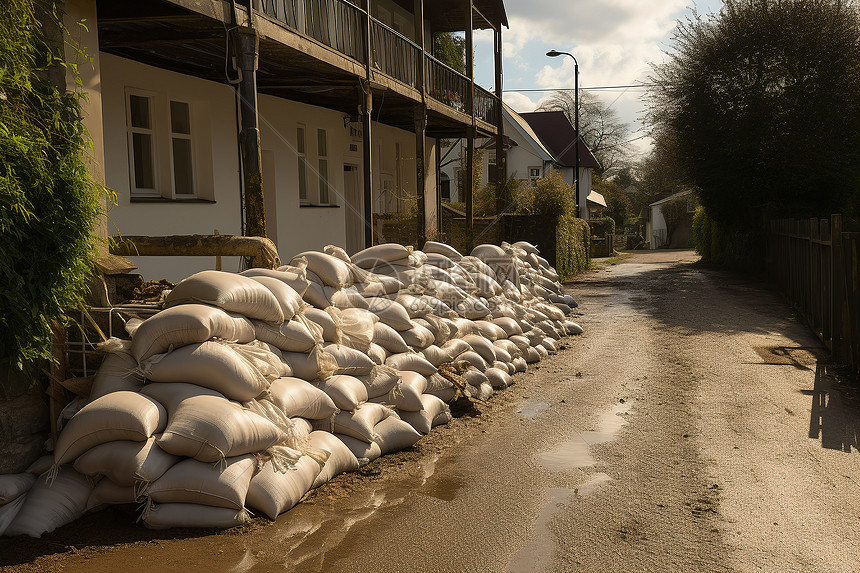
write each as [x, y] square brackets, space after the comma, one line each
[520, 103]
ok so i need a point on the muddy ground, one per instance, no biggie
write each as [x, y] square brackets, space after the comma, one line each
[695, 425]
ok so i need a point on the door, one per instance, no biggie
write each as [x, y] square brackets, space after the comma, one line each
[354, 203]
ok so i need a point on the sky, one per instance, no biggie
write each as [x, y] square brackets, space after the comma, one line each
[614, 42]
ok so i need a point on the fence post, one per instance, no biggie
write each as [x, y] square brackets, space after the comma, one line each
[837, 289]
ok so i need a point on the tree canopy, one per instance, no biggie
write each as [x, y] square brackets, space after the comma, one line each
[599, 126]
[758, 106]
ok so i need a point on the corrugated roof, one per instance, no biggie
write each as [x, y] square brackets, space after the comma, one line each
[557, 134]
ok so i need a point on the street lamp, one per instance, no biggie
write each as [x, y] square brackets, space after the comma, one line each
[554, 54]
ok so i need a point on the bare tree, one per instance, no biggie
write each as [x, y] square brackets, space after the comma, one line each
[599, 126]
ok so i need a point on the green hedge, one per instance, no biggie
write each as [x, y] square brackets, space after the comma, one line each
[49, 203]
[719, 244]
[573, 248]
[603, 226]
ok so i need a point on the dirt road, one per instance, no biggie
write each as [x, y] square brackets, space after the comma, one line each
[694, 426]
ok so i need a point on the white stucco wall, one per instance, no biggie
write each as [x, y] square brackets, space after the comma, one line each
[294, 228]
[657, 231]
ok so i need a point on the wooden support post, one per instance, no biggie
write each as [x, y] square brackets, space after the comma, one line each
[470, 107]
[838, 310]
[420, 175]
[246, 46]
[366, 104]
[502, 199]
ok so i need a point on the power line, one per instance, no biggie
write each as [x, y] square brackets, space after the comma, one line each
[626, 86]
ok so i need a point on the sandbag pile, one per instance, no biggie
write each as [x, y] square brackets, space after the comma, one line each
[248, 390]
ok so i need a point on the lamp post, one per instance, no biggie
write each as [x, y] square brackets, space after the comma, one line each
[554, 54]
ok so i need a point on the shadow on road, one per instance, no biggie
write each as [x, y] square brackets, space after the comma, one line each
[834, 411]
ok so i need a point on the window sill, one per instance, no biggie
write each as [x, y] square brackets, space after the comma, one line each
[314, 206]
[165, 200]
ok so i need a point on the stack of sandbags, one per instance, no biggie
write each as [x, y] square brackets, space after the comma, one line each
[250, 389]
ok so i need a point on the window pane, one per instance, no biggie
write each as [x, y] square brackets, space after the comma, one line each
[144, 176]
[180, 118]
[139, 111]
[322, 143]
[300, 140]
[303, 180]
[183, 179]
[324, 181]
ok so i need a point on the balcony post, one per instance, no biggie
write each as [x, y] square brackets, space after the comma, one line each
[470, 108]
[246, 47]
[420, 179]
[502, 200]
[366, 104]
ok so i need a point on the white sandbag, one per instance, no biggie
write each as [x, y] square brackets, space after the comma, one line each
[542, 351]
[107, 493]
[126, 463]
[218, 485]
[406, 396]
[436, 356]
[498, 378]
[316, 296]
[14, 485]
[170, 395]
[486, 286]
[502, 355]
[442, 249]
[441, 261]
[380, 381]
[474, 359]
[186, 324]
[349, 360]
[328, 320]
[522, 342]
[291, 336]
[360, 423]
[311, 365]
[363, 452]
[345, 298]
[388, 338]
[465, 326]
[414, 306]
[347, 392]
[340, 458]
[509, 325]
[115, 416]
[390, 312]
[439, 308]
[41, 465]
[337, 252]
[47, 507]
[433, 412]
[273, 492]
[377, 353]
[413, 362]
[572, 328]
[9, 511]
[232, 292]
[441, 387]
[549, 344]
[380, 255]
[302, 427]
[532, 355]
[471, 308]
[475, 377]
[519, 364]
[296, 397]
[357, 328]
[565, 310]
[393, 435]
[265, 357]
[418, 337]
[483, 393]
[292, 277]
[169, 515]
[118, 371]
[489, 330]
[456, 346]
[509, 346]
[482, 346]
[209, 429]
[287, 297]
[331, 270]
[209, 364]
[535, 336]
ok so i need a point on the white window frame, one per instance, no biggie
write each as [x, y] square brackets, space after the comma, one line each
[135, 191]
[187, 136]
[302, 163]
[533, 178]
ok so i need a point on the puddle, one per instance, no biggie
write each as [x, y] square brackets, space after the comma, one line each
[532, 408]
[537, 555]
[592, 485]
[576, 453]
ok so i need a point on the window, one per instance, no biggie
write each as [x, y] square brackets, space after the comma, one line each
[141, 145]
[492, 171]
[534, 174]
[322, 156]
[162, 147]
[303, 164]
[181, 153]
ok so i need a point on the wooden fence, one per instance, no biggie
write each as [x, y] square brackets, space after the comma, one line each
[815, 264]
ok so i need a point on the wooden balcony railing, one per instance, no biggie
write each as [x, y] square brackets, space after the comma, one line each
[341, 26]
[446, 85]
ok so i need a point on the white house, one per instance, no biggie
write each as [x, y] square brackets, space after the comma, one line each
[348, 129]
[656, 230]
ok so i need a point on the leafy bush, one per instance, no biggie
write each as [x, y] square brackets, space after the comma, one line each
[49, 203]
[573, 246]
[602, 226]
[552, 196]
